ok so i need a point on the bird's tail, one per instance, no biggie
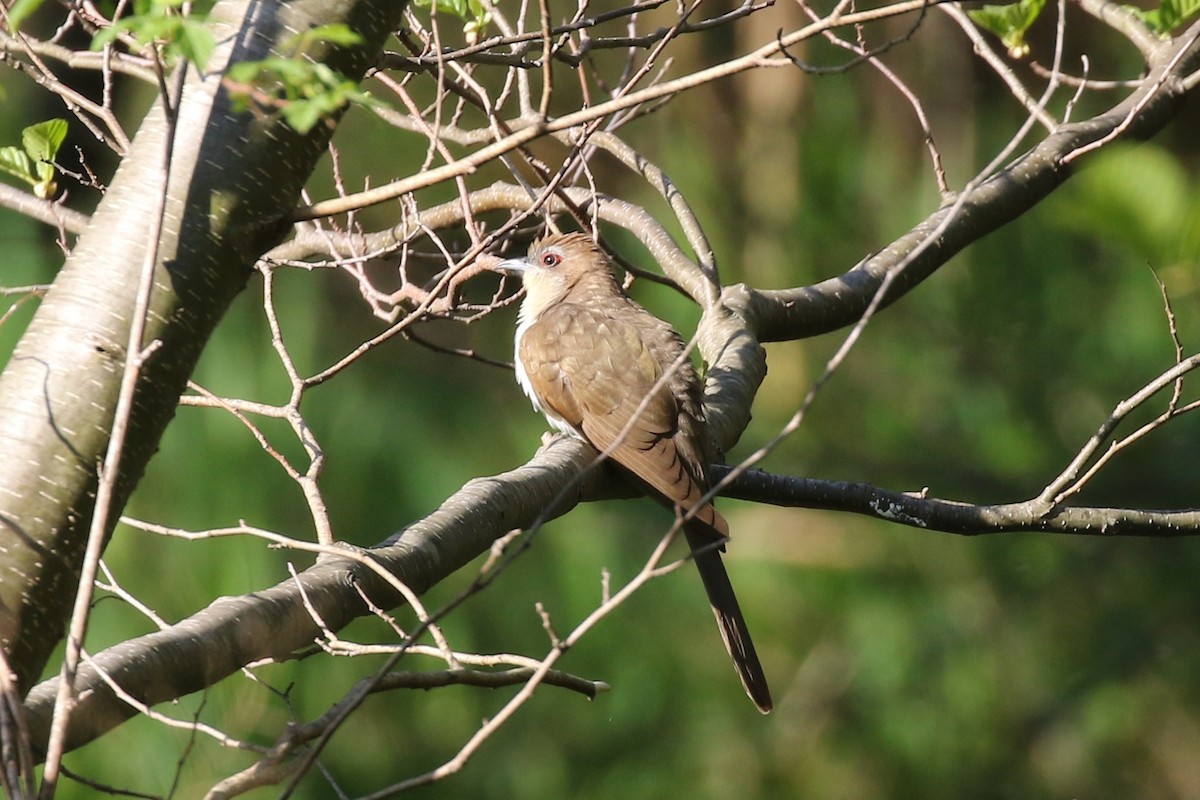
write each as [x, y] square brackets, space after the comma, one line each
[729, 615]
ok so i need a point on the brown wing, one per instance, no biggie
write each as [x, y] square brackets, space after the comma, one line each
[595, 370]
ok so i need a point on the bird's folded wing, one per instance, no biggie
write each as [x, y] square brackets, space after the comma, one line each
[596, 373]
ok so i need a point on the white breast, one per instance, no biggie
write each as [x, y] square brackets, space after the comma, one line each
[556, 422]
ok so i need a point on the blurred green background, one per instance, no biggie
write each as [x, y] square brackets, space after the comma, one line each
[906, 664]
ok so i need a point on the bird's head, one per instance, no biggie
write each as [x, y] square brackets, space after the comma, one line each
[557, 264]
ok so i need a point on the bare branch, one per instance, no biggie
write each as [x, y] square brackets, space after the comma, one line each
[122, 63]
[526, 130]
[777, 315]
[45, 211]
[918, 510]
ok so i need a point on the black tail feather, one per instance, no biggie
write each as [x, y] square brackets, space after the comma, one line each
[729, 617]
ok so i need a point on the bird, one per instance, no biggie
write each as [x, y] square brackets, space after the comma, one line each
[603, 369]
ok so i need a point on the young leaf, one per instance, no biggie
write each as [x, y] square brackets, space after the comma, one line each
[15, 162]
[1169, 16]
[481, 16]
[45, 187]
[159, 22]
[302, 115]
[41, 141]
[456, 7]
[44, 171]
[196, 42]
[1010, 22]
[335, 33]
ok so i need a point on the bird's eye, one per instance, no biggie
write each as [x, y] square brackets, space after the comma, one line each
[551, 259]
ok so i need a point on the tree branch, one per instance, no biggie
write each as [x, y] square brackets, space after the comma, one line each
[917, 510]
[232, 632]
[786, 314]
[223, 210]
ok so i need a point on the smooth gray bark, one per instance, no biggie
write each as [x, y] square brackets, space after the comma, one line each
[233, 178]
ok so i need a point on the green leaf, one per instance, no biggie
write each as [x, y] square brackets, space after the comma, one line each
[45, 187]
[302, 115]
[301, 90]
[337, 33]
[104, 38]
[1183, 11]
[148, 30]
[20, 11]
[1169, 16]
[1010, 22]
[456, 7]
[481, 16]
[475, 15]
[16, 162]
[291, 72]
[41, 141]
[196, 42]
[244, 71]
[143, 28]
[159, 22]
[44, 171]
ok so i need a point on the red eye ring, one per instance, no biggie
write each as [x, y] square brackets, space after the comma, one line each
[550, 259]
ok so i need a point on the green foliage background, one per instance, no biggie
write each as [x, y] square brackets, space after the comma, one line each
[906, 664]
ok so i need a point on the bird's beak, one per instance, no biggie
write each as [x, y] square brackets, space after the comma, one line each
[512, 266]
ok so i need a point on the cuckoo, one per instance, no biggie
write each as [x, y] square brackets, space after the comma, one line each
[603, 369]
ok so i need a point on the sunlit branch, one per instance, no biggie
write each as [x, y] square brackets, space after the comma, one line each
[522, 43]
[45, 211]
[280, 762]
[525, 131]
[121, 63]
[84, 108]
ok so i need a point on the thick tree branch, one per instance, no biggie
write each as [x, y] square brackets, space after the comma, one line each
[233, 632]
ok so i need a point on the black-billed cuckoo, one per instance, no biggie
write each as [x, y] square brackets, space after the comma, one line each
[591, 360]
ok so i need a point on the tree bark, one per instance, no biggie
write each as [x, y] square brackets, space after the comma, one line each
[233, 177]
